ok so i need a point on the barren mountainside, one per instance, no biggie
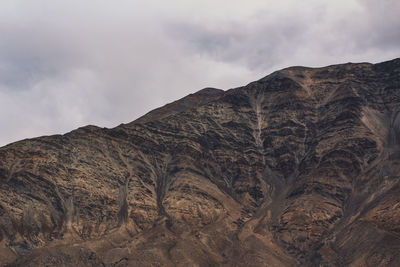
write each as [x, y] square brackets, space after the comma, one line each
[300, 168]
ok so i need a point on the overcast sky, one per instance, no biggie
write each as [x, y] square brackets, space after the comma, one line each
[68, 63]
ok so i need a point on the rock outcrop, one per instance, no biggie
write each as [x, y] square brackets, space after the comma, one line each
[300, 168]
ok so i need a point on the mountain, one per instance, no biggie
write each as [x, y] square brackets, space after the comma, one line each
[300, 168]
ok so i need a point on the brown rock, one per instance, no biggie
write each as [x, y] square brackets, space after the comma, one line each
[298, 168]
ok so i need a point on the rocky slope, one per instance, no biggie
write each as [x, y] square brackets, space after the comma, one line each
[298, 168]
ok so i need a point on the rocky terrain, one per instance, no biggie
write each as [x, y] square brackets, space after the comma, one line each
[300, 168]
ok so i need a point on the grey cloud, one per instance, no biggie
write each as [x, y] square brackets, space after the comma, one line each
[316, 34]
[383, 24]
[29, 55]
[64, 64]
[259, 46]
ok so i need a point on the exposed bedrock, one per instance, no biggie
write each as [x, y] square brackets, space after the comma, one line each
[300, 168]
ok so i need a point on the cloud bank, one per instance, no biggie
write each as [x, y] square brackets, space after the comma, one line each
[65, 64]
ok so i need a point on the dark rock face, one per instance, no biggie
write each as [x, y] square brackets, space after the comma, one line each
[300, 168]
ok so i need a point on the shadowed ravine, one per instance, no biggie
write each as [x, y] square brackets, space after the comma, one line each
[300, 168]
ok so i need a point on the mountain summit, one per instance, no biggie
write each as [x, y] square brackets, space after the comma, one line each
[300, 168]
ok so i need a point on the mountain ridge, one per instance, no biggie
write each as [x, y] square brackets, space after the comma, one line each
[297, 168]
